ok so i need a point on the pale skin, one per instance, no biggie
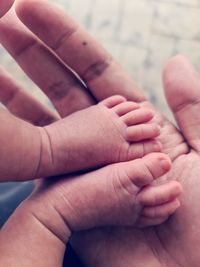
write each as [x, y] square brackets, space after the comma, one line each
[60, 149]
[118, 194]
[114, 125]
[52, 149]
[174, 242]
[115, 130]
[114, 195]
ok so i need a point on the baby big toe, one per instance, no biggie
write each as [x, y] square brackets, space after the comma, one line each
[143, 171]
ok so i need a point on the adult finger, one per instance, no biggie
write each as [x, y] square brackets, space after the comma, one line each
[21, 103]
[78, 50]
[182, 89]
[5, 5]
[65, 90]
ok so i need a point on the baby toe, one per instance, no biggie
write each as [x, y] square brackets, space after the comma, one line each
[125, 107]
[138, 116]
[113, 101]
[163, 210]
[140, 149]
[157, 195]
[142, 132]
[143, 171]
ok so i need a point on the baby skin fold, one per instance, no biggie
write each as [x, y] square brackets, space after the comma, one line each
[116, 133]
[115, 130]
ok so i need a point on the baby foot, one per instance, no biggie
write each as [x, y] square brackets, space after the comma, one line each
[115, 130]
[119, 194]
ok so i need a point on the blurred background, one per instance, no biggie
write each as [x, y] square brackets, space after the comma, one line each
[141, 34]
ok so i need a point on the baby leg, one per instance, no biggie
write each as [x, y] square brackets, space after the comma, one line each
[115, 130]
[120, 194]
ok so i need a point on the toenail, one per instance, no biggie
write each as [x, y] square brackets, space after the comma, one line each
[165, 164]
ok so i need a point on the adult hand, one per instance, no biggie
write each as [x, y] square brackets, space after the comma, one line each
[171, 244]
[5, 5]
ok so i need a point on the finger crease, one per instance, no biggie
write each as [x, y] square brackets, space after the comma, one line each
[63, 38]
[96, 70]
[185, 106]
[22, 50]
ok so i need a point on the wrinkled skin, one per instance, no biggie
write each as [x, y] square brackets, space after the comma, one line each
[175, 243]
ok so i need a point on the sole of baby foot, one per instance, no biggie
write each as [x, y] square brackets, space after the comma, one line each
[118, 194]
[115, 130]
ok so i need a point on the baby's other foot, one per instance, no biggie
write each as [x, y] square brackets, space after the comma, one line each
[113, 131]
[121, 194]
